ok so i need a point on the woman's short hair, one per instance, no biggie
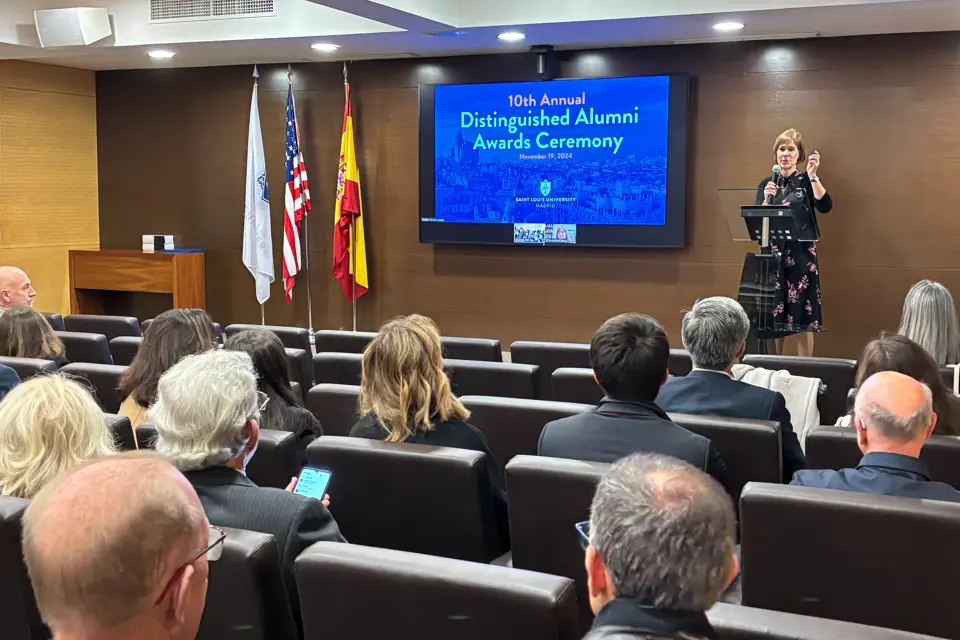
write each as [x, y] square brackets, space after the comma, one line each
[25, 333]
[403, 382]
[929, 318]
[794, 136]
[204, 403]
[48, 424]
[172, 335]
[892, 352]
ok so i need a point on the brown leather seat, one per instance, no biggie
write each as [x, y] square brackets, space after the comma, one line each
[483, 349]
[871, 559]
[576, 385]
[337, 368]
[501, 379]
[329, 340]
[679, 363]
[291, 337]
[409, 497]
[26, 368]
[427, 598]
[512, 426]
[55, 320]
[548, 496]
[246, 596]
[300, 366]
[836, 448]
[122, 433]
[124, 349]
[110, 326]
[752, 449]
[734, 622]
[836, 374]
[335, 406]
[550, 356]
[217, 331]
[946, 374]
[86, 347]
[103, 378]
[18, 609]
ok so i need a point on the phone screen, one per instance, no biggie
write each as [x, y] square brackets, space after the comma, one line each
[313, 483]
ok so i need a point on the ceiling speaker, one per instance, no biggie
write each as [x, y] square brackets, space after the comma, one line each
[76, 26]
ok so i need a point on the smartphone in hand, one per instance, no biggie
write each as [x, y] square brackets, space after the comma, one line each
[313, 483]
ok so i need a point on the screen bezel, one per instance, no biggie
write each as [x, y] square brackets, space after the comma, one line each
[672, 234]
[315, 470]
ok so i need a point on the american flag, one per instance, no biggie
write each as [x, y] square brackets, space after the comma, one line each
[296, 197]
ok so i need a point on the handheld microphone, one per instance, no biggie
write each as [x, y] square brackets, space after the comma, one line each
[774, 178]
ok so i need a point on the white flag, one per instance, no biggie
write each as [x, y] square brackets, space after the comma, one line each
[257, 243]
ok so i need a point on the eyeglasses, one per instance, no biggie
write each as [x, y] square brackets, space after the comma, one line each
[263, 399]
[583, 528]
[214, 549]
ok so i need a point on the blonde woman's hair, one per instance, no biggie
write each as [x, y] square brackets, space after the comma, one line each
[794, 136]
[25, 333]
[48, 425]
[403, 382]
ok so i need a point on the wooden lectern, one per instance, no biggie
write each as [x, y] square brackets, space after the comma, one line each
[92, 273]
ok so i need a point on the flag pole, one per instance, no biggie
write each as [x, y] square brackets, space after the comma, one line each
[306, 240]
[263, 317]
[353, 240]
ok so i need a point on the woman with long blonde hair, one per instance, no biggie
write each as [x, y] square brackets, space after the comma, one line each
[25, 333]
[48, 424]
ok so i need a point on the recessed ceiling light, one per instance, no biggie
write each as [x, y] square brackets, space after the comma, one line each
[161, 54]
[325, 47]
[728, 26]
[512, 36]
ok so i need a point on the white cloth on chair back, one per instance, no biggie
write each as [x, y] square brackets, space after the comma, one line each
[799, 392]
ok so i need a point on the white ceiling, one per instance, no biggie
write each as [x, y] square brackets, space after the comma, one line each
[404, 28]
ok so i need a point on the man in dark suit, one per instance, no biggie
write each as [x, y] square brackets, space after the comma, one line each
[629, 355]
[715, 333]
[894, 417]
[8, 380]
[206, 415]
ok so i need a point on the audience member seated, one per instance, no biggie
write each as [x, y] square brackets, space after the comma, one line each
[117, 549]
[15, 288]
[171, 336]
[715, 333]
[284, 410]
[405, 396]
[25, 333]
[929, 318]
[894, 417]
[660, 550]
[629, 355]
[891, 352]
[48, 425]
[207, 417]
[8, 380]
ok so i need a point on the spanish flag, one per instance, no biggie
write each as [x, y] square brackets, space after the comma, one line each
[349, 209]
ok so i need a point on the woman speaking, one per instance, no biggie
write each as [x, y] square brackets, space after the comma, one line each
[797, 302]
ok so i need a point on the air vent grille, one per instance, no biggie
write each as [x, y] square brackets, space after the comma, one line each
[176, 10]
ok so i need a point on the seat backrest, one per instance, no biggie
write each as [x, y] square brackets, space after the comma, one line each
[679, 363]
[330, 340]
[55, 320]
[410, 497]
[733, 622]
[752, 449]
[18, 609]
[124, 349]
[837, 374]
[576, 385]
[104, 379]
[451, 598]
[122, 432]
[28, 367]
[548, 496]
[841, 555]
[86, 347]
[291, 337]
[836, 448]
[337, 368]
[512, 426]
[276, 459]
[110, 326]
[300, 366]
[483, 349]
[335, 406]
[946, 375]
[246, 595]
[550, 356]
[501, 379]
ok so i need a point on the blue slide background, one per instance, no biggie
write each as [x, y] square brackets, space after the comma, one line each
[586, 185]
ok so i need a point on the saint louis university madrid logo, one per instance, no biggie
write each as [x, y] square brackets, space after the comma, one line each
[545, 187]
[262, 181]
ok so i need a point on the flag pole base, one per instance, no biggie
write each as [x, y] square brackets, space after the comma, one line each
[263, 316]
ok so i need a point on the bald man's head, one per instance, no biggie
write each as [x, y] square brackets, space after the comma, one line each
[15, 288]
[106, 542]
[896, 408]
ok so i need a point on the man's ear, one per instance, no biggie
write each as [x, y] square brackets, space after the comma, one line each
[597, 584]
[933, 425]
[862, 436]
[734, 570]
[666, 376]
[171, 610]
[740, 352]
[253, 429]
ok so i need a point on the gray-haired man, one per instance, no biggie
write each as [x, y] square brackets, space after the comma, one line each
[715, 333]
[661, 550]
